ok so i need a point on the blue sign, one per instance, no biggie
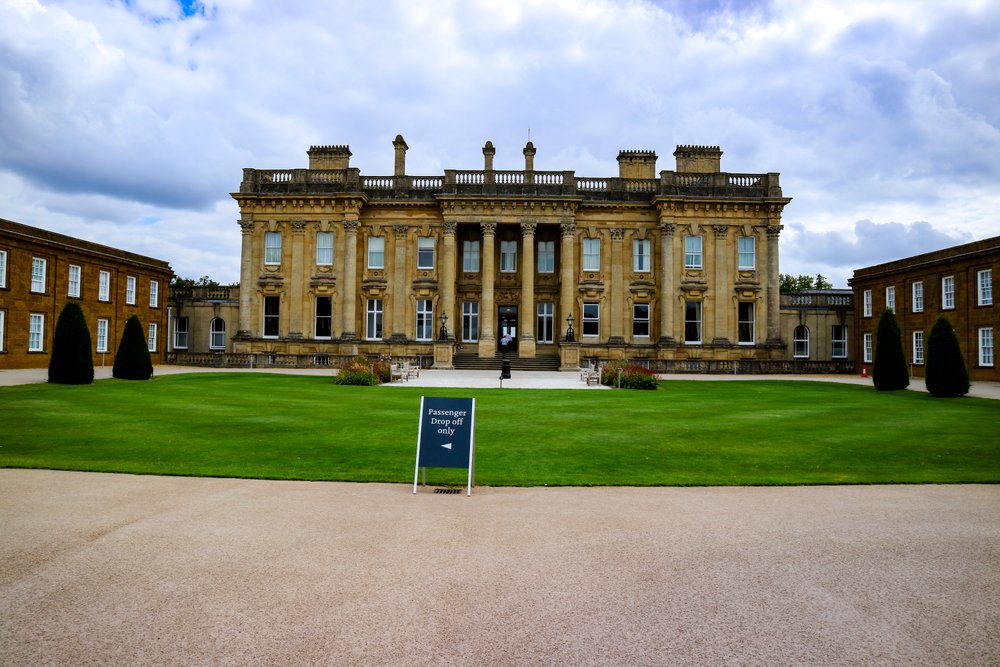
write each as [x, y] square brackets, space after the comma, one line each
[446, 435]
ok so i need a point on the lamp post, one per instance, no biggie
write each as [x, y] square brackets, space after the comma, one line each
[443, 334]
[569, 329]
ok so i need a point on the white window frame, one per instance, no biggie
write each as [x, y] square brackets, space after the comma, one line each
[3, 268]
[425, 253]
[104, 286]
[376, 252]
[869, 346]
[696, 307]
[545, 325]
[272, 248]
[918, 347]
[317, 317]
[151, 337]
[3, 329]
[746, 253]
[746, 325]
[917, 292]
[181, 335]
[592, 255]
[838, 344]
[324, 248]
[866, 299]
[508, 256]
[36, 332]
[425, 319]
[102, 335]
[800, 343]
[130, 290]
[984, 279]
[265, 317]
[73, 274]
[39, 269]
[890, 298]
[374, 319]
[948, 293]
[470, 321]
[985, 337]
[470, 256]
[217, 334]
[154, 294]
[640, 319]
[591, 317]
[640, 256]
[546, 256]
[693, 247]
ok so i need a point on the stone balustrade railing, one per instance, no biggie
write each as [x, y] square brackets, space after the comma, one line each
[204, 293]
[844, 299]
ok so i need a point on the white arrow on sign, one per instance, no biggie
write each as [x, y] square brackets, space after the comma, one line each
[447, 445]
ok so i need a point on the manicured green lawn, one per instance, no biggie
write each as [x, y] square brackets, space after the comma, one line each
[687, 433]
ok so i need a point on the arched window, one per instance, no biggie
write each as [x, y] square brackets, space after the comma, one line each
[218, 339]
[800, 342]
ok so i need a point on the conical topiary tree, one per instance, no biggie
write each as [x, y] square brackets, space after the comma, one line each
[889, 369]
[132, 361]
[71, 362]
[945, 372]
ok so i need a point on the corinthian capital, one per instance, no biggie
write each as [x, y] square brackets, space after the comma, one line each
[489, 228]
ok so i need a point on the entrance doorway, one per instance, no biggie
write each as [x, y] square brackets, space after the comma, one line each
[508, 327]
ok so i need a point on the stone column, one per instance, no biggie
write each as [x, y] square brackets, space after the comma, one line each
[773, 303]
[350, 282]
[247, 283]
[722, 288]
[667, 286]
[617, 287]
[567, 280]
[487, 314]
[297, 276]
[526, 345]
[448, 267]
[399, 291]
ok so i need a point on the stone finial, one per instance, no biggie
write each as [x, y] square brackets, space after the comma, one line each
[329, 157]
[400, 164]
[698, 159]
[488, 153]
[529, 156]
[636, 164]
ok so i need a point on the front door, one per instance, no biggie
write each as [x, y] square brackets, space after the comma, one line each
[508, 328]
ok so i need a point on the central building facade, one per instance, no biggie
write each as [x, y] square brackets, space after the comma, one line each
[674, 265]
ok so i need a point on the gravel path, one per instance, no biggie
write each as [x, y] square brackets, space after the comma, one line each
[140, 570]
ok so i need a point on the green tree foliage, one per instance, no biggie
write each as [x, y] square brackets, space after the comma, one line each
[789, 284]
[945, 374]
[132, 361]
[889, 371]
[72, 361]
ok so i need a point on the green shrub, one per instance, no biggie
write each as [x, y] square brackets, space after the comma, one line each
[132, 361]
[359, 372]
[945, 372]
[72, 361]
[633, 376]
[889, 372]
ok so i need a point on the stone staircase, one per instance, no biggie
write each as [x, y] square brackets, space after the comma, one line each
[472, 362]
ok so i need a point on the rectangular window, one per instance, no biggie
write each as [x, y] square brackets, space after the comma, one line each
[217, 334]
[890, 298]
[324, 317]
[151, 337]
[745, 323]
[591, 254]
[154, 294]
[640, 320]
[3, 268]
[508, 256]
[868, 348]
[36, 332]
[3, 325]
[376, 252]
[102, 336]
[839, 338]
[181, 333]
[272, 248]
[104, 286]
[640, 255]
[324, 248]
[546, 256]
[425, 252]
[948, 292]
[545, 327]
[985, 281]
[373, 321]
[800, 342]
[918, 347]
[272, 316]
[867, 299]
[692, 321]
[38, 267]
[73, 281]
[470, 256]
[591, 319]
[425, 319]
[692, 252]
[747, 253]
[470, 321]
[986, 346]
[918, 296]
[130, 290]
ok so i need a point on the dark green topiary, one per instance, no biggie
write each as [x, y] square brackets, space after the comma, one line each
[946, 375]
[71, 362]
[889, 371]
[132, 361]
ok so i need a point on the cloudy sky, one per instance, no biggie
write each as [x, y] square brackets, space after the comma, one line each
[127, 122]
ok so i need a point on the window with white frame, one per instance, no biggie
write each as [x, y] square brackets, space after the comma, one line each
[918, 347]
[3, 329]
[3, 268]
[591, 254]
[272, 248]
[324, 248]
[425, 252]
[800, 342]
[984, 279]
[866, 298]
[869, 348]
[839, 341]
[324, 317]
[745, 322]
[425, 319]
[36, 332]
[470, 256]
[545, 327]
[154, 294]
[986, 346]
[181, 332]
[373, 319]
[546, 256]
[640, 320]
[591, 318]
[376, 252]
[692, 322]
[272, 316]
[470, 321]
[508, 256]
[746, 253]
[918, 296]
[151, 337]
[640, 255]
[73, 281]
[130, 290]
[102, 335]
[38, 267]
[104, 286]
[692, 252]
[890, 298]
[217, 333]
[948, 292]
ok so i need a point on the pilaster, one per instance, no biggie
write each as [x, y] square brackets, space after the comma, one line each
[567, 275]
[526, 345]
[350, 282]
[667, 284]
[487, 316]
[449, 262]
[773, 287]
[247, 283]
[399, 291]
[722, 288]
[298, 277]
[617, 296]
